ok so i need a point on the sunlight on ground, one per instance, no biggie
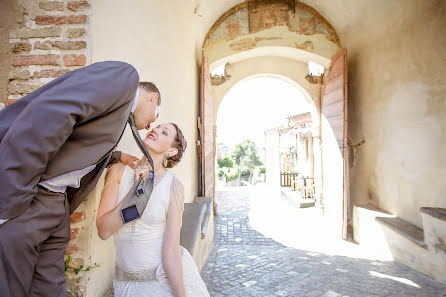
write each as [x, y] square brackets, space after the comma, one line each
[398, 279]
[301, 228]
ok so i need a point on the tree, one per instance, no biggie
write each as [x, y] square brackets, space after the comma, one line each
[245, 156]
[225, 162]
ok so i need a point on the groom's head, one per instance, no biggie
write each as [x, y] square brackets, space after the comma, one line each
[147, 109]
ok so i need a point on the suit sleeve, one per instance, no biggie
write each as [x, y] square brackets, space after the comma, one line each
[48, 120]
[115, 158]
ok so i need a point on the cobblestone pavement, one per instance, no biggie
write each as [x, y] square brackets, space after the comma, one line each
[245, 263]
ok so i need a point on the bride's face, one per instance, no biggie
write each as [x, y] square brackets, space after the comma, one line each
[159, 140]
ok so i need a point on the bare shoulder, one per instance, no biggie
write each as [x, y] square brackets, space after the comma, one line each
[115, 172]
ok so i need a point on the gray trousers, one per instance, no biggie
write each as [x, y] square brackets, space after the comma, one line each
[32, 248]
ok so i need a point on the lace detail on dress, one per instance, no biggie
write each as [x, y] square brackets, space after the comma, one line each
[177, 195]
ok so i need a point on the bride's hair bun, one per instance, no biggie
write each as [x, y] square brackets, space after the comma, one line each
[180, 144]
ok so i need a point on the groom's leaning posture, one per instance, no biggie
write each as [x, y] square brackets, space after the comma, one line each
[54, 145]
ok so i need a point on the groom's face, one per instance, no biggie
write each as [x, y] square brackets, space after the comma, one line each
[147, 110]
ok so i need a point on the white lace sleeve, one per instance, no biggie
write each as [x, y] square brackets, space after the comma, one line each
[177, 194]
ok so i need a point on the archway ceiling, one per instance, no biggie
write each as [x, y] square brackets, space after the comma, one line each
[273, 51]
[354, 21]
[266, 24]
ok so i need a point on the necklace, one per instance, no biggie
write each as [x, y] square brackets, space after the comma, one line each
[159, 179]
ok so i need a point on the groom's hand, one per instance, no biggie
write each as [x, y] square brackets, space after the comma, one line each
[143, 169]
[129, 160]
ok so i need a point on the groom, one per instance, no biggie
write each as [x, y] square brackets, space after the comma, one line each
[54, 144]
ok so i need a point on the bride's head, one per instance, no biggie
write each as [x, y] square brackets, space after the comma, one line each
[166, 141]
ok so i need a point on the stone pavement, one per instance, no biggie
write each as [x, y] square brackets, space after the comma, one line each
[245, 263]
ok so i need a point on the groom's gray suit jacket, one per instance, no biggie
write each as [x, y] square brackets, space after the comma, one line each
[68, 124]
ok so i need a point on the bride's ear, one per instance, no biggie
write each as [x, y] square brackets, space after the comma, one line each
[173, 152]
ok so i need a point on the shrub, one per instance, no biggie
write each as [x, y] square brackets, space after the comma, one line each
[232, 174]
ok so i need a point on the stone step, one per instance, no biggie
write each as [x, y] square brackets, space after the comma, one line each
[436, 212]
[308, 202]
[405, 229]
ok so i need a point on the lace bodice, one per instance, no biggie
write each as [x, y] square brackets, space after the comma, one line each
[139, 243]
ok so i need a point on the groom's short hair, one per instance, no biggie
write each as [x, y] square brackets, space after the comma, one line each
[150, 87]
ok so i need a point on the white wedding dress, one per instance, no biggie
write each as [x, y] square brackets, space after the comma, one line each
[139, 247]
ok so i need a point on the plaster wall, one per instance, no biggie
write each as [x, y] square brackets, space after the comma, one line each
[294, 70]
[398, 107]
[397, 66]
[146, 34]
[397, 86]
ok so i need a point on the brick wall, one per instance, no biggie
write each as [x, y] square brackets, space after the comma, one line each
[48, 39]
[52, 40]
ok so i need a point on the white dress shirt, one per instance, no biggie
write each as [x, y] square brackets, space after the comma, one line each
[72, 179]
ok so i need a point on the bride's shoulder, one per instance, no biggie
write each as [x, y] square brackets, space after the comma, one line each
[172, 176]
[175, 181]
[115, 172]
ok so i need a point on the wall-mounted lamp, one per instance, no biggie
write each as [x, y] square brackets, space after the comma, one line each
[315, 73]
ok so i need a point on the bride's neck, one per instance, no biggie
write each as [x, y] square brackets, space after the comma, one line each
[158, 165]
[159, 169]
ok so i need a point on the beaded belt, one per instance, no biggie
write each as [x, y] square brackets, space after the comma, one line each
[122, 275]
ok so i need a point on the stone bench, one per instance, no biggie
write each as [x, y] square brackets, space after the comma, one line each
[405, 229]
[422, 248]
[197, 230]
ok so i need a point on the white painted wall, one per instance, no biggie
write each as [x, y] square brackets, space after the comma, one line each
[160, 39]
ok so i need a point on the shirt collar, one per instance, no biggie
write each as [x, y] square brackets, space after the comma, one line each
[135, 101]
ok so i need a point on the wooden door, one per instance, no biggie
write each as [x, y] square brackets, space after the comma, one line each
[206, 127]
[335, 109]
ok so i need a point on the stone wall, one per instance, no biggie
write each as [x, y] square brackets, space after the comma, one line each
[50, 39]
[10, 17]
[41, 40]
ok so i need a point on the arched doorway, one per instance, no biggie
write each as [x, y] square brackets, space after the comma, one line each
[250, 110]
[251, 40]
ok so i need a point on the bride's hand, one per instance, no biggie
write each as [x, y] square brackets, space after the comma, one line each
[142, 169]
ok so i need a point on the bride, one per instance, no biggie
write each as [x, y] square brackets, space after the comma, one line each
[149, 258]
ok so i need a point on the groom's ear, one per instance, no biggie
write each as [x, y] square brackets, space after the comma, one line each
[154, 97]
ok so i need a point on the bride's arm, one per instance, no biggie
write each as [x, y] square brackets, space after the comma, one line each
[172, 261]
[108, 220]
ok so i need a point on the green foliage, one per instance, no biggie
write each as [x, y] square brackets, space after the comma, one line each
[262, 170]
[232, 174]
[76, 270]
[225, 162]
[245, 174]
[221, 173]
[71, 292]
[245, 156]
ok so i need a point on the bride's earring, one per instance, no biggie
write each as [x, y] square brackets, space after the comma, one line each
[166, 155]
